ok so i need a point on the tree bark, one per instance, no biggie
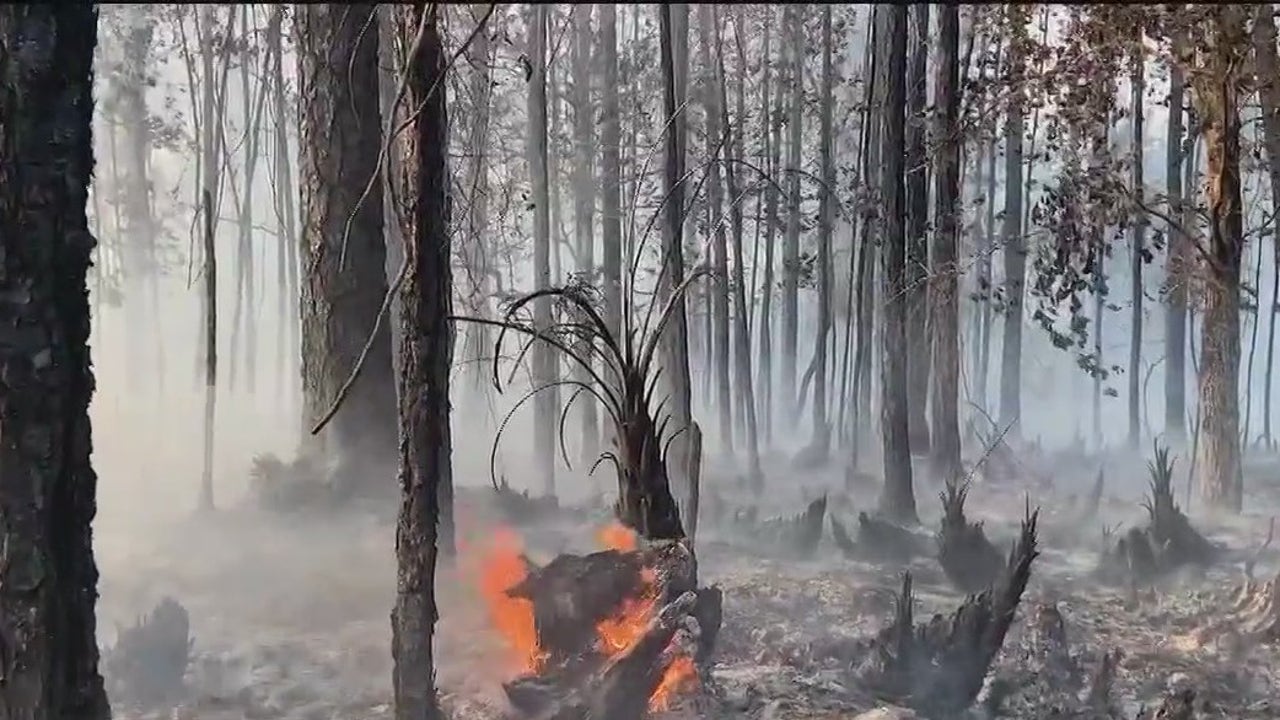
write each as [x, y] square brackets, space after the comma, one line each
[898, 500]
[944, 310]
[543, 362]
[425, 357]
[1015, 249]
[611, 175]
[917, 187]
[342, 245]
[48, 582]
[1216, 92]
[1175, 318]
[821, 443]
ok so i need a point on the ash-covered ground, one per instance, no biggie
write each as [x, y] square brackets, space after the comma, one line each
[290, 615]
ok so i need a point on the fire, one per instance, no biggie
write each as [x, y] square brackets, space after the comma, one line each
[503, 569]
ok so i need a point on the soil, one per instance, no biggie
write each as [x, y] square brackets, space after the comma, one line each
[290, 616]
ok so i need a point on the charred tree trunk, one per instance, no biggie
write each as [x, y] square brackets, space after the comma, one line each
[1137, 240]
[211, 349]
[917, 187]
[821, 443]
[425, 356]
[773, 142]
[477, 291]
[544, 364]
[898, 500]
[1269, 90]
[1015, 249]
[791, 240]
[944, 311]
[48, 584]
[343, 246]
[1175, 319]
[1217, 96]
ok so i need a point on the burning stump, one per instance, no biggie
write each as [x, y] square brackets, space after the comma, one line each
[616, 633]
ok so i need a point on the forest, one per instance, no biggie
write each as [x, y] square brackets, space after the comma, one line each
[628, 362]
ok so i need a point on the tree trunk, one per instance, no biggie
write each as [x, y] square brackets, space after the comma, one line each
[343, 243]
[898, 500]
[478, 285]
[1216, 94]
[289, 344]
[1268, 71]
[791, 240]
[211, 349]
[773, 143]
[543, 362]
[584, 200]
[1137, 240]
[917, 187]
[1175, 319]
[718, 287]
[611, 166]
[48, 583]
[872, 231]
[742, 334]
[674, 35]
[943, 304]
[425, 357]
[1015, 248]
[821, 443]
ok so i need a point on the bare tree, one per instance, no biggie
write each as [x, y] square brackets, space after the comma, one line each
[1268, 71]
[1015, 246]
[1137, 241]
[917, 188]
[543, 363]
[1175, 329]
[47, 483]
[584, 195]
[791, 239]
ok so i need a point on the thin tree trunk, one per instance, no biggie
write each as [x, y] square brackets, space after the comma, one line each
[1015, 247]
[773, 143]
[872, 232]
[917, 188]
[211, 351]
[1137, 242]
[611, 180]
[544, 370]
[898, 500]
[478, 265]
[584, 200]
[1175, 329]
[425, 357]
[48, 582]
[821, 443]
[791, 240]
[943, 306]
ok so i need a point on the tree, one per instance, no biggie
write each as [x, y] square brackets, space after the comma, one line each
[791, 239]
[1175, 318]
[944, 311]
[898, 500]
[826, 220]
[584, 193]
[48, 584]
[611, 170]
[544, 364]
[1268, 71]
[1213, 61]
[425, 355]
[1137, 240]
[1015, 246]
[343, 250]
[917, 188]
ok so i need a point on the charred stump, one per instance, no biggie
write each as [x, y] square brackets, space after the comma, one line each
[967, 557]
[1101, 684]
[938, 667]
[877, 540]
[147, 666]
[580, 675]
[1051, 646]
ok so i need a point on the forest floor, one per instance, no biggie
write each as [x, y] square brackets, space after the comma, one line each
[290, 616]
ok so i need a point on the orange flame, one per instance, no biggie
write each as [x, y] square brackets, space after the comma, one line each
[503, 569]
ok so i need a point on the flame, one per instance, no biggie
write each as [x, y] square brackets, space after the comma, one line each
[503, 569]
[681, 673]
[616, 536]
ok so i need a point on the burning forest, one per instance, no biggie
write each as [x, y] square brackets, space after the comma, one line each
[639, 362]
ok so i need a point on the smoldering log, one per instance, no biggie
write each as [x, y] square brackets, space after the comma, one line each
[939, 667]
[967, 557]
